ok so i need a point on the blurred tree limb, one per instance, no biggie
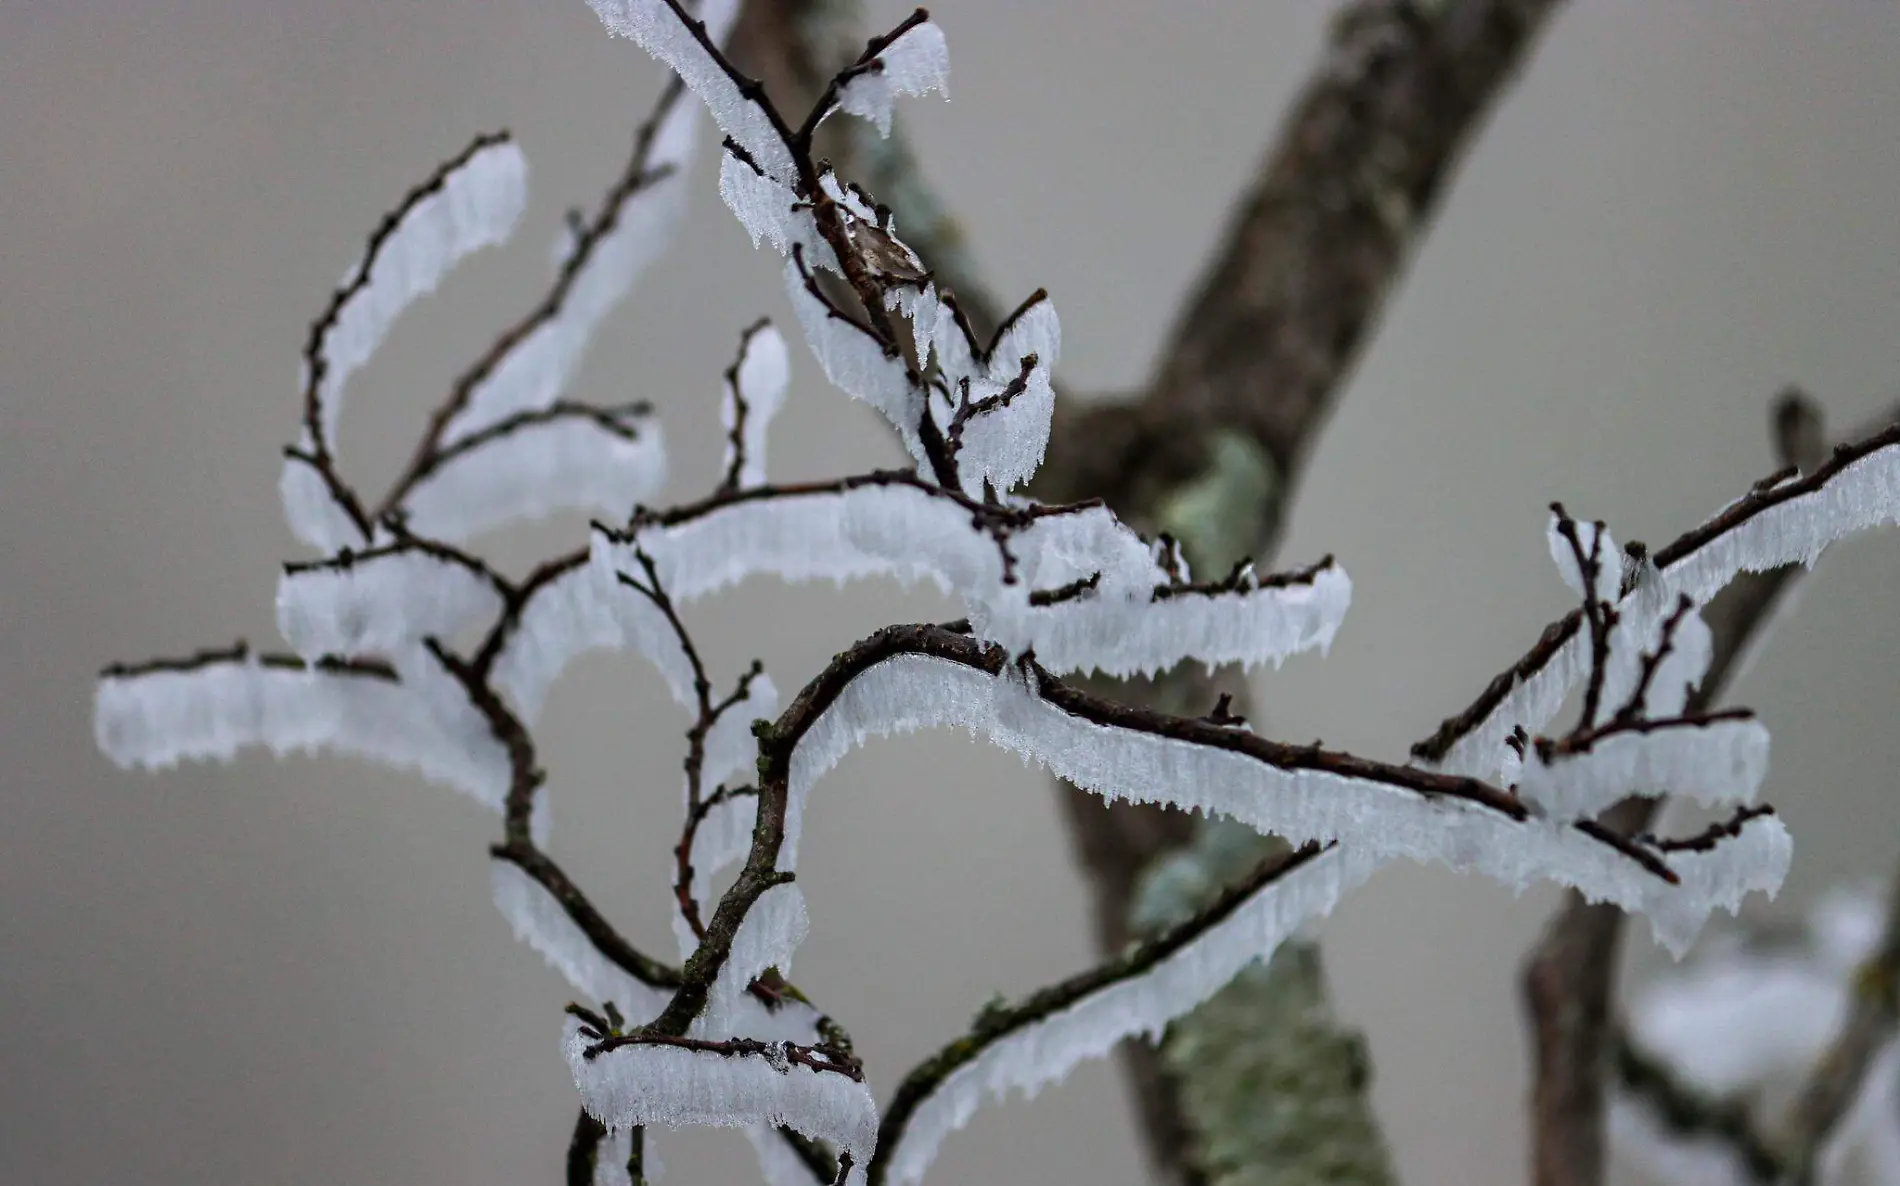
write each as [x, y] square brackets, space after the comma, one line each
[1210, 450]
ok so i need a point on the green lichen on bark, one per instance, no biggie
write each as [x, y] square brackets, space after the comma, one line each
[1273, 1085]
[1273, 1088]
[1221, 515]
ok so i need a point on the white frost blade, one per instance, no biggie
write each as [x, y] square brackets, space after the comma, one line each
[311, 510]
[581, 609]
[587, 461]
[538, 920]
[1089, 1028]
[768, 935]
[661, 32]
[916, 63]
[911, 692]
[758, 380]
[674, 1086]
[1721, 762]
[158, 718]
[1863, 495]
[855, 362]
[475, 206]
[380, 602]
[771, 211]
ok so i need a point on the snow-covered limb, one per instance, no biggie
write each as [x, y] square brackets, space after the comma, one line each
[1586, 556]
[754, 392]
[384, 599]
[1027, 1045]
[470, 203]
[906, 678]
[562, 457]
[1786, 521]
[408, 713]
[648, 1079]
[548, 913]
[570, 607]
[532, 362]
[1708, 760]
[855, 359]
[911, 59]
[772, 211]
[665, 29]
[771, 931]
[1790, 521]
[318, 508]
[1002, 390]
[1070, 583]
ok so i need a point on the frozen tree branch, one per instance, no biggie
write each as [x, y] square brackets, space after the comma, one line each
[1568, 978]
[417, 652]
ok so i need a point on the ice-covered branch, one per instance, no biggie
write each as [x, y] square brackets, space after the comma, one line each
[1782, 522]
[385, 598]
[1029, 1044]
[471, 202]
[911, 59]
[566, 456]
[407, 712]
[531, 363]
[754, 392]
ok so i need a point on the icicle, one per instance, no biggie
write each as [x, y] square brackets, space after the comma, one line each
[471, 206]
[380, 601]
[916, 62]
[571, 459]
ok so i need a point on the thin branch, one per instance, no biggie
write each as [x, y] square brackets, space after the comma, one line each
[583, 1149]
[1836, 1081]
[1000, 1020]
[317, 363]
[741, 409]
[1688, 1112]
[1567, 978]
[431, 451]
